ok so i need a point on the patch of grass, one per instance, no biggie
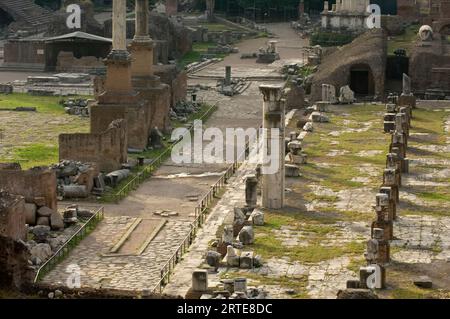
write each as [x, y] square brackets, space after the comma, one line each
[404, 41]
[409, 293]
[356, 263]
[438, 195]
[43, 104]
[36, 155]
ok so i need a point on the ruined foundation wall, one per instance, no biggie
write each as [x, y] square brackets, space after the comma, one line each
[135, 116]
[37, 182]
[14, 269]
[12, 216]
[429, 67]
[369, 49]
[107, 149]
[159, 100]
[28, 52]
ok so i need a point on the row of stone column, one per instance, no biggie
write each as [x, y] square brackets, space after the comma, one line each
[397, 123]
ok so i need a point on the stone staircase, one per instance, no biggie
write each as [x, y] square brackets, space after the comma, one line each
[27, 12]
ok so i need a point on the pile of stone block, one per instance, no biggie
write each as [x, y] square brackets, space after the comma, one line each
[227, 289]
[6, 88]
[38, 214]
[46, 240]
[77, 179]
[76, 106]
[183, 110]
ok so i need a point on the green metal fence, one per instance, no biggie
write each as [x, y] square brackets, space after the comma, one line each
[73, 241]
[148, 170]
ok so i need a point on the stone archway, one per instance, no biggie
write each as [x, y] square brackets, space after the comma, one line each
[362, 80]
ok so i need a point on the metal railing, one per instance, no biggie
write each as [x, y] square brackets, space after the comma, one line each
[148, 170]
[201, 211]
[73, 241]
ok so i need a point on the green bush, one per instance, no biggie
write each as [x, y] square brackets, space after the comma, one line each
[328, 39]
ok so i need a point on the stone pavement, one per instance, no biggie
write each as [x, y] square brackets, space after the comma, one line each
[181, 280]
[135, 273]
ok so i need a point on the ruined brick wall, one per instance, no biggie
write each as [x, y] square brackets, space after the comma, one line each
[177, 80]
[429, 67]
[36, 182]
[24, 52]
[159, 102]
[369, 49]
[135, 115]
[108, 150]
[408, 9]
[12, 216]
[14, 269]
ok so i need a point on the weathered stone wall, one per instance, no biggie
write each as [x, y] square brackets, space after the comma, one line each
[107, 149]
[20, 51]
[135, 115]
[12, 216]
[177, 80]
[159, 102]
[369, 49]
[429, 67]
[67, 62]
[36, 182]
[14, 269]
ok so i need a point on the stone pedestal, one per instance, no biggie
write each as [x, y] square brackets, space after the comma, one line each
[273, 182]
[251, 187]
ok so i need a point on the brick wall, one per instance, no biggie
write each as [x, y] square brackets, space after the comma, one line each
[37, 182]
[107, 149]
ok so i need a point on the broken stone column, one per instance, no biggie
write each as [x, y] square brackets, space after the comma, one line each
[142, 46]
[296, 155]
[157, 96]
[394, 162]
[273, 182]
[251, 191]
[227, 76]
[378, 249]
[390, 180]
[329, 93]
[392, 201]
[384, 218]
[210, 6]
[407, 98]
[200, 280]
[372, 276]
[118, 76]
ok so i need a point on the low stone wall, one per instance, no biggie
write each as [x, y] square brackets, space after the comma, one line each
[107, 149]
[33, 183]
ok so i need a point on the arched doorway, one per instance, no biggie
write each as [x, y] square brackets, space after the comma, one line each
[5, 18]
[361, 80]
